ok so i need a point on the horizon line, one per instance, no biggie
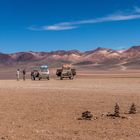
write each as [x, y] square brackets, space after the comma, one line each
[70, 50]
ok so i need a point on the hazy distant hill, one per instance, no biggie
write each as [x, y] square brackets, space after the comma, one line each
[100, 58]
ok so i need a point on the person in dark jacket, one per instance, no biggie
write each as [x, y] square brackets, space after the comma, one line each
[24, 74]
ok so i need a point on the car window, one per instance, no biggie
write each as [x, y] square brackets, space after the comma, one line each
[44, 70]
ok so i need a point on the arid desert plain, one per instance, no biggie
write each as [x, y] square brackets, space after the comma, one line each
[49, 110]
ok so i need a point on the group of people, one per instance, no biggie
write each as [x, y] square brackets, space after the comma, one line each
[18, 73]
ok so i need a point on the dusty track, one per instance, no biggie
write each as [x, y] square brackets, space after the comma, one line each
[48, 110]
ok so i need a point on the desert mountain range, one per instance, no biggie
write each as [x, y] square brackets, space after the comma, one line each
[100, 58]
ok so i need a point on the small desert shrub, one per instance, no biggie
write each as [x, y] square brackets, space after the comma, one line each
[132, 109]
[117, 110]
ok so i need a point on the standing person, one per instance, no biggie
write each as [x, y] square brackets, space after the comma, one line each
[24, 74]
[18, 74]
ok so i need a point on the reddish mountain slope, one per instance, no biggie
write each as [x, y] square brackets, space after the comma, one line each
[98, 58]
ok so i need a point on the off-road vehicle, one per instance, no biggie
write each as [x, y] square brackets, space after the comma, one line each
[41, 72]
[66, 72]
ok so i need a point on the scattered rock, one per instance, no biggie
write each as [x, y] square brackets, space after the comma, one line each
[79, 119]
[95, 118]
[87, 115]
[4, 138]
[124, 117]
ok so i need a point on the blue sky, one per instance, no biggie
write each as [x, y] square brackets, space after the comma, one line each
[48, 25]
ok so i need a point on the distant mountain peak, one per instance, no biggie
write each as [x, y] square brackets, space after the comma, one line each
[100, 48]
[136, 48]
[98, 57]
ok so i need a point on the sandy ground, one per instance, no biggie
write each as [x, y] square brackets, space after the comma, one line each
[48, 110]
